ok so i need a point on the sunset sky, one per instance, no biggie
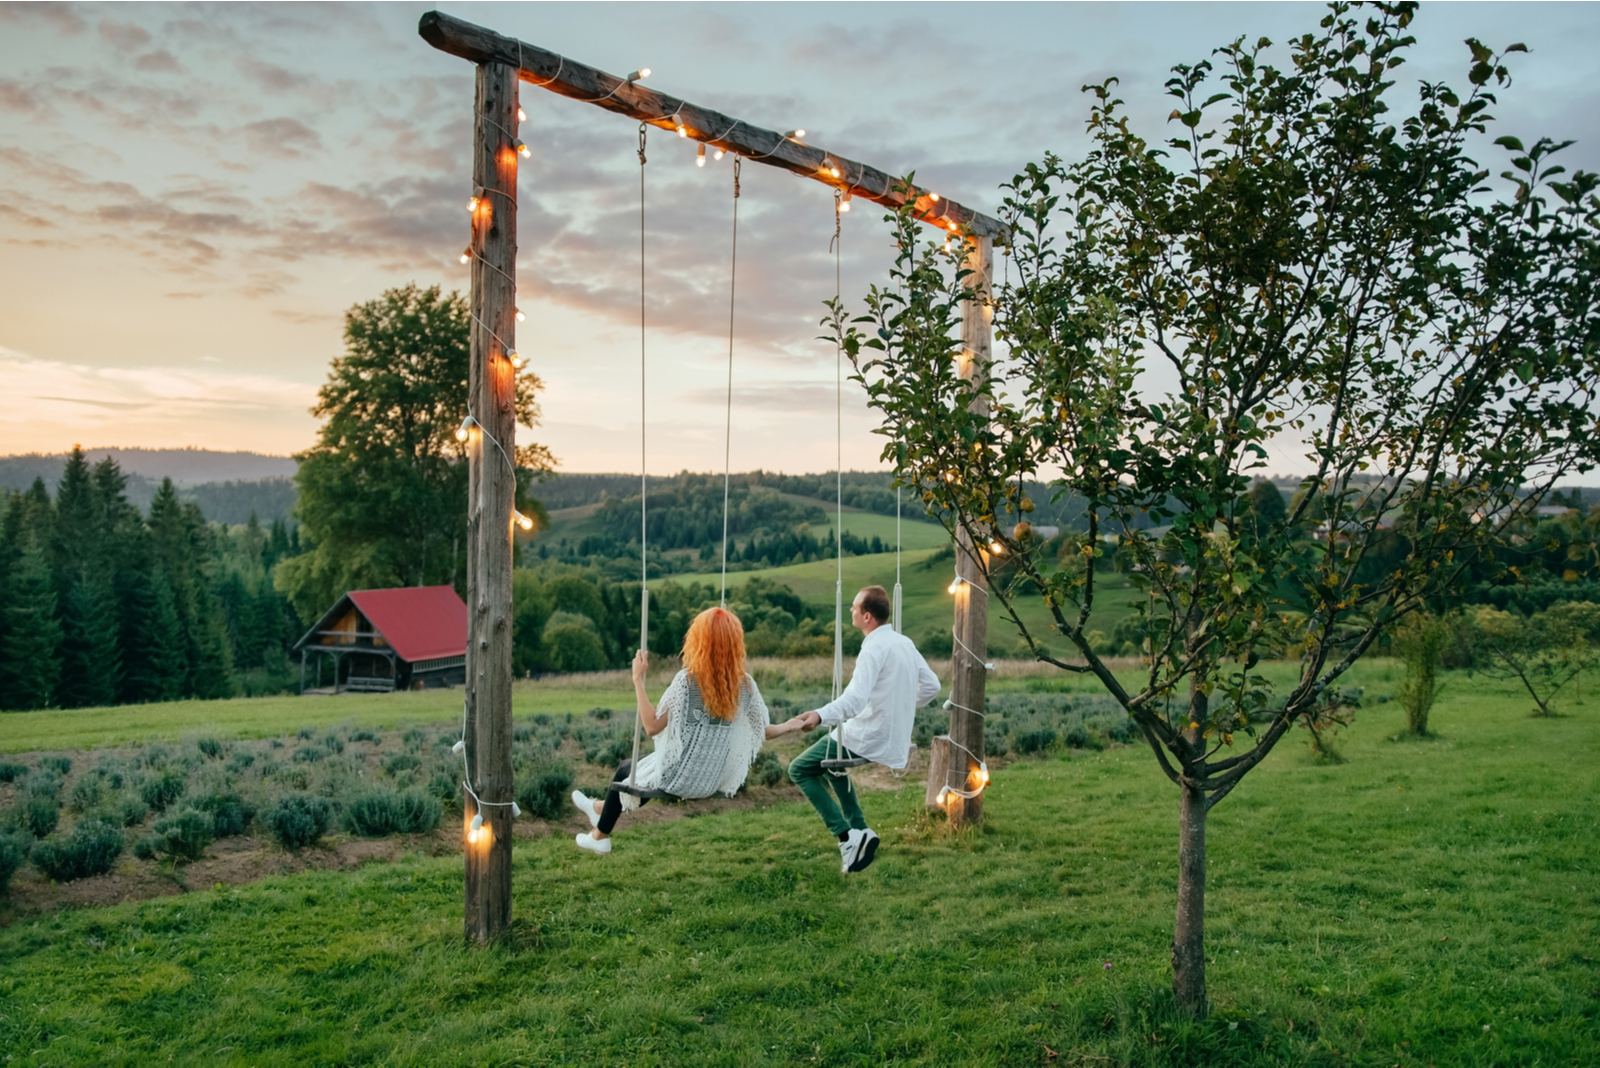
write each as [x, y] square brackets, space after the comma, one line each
[191, 195]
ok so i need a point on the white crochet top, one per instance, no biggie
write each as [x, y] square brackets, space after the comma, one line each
[697, 755]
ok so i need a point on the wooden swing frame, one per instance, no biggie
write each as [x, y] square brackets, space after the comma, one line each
[502, 63]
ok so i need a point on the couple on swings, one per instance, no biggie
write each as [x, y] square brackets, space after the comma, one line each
[711, 721]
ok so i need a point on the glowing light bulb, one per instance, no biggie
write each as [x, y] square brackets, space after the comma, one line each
[465, 428]
[683, 131]
[638, 75]
[996, 548]
[844, 201]
[466, 254]
[794, 135]
[700, 157]
[525, 522]
[934, 197]
[474, 200]
[719, 153]
[521, 318]
[522, 116]
[957, 584]
[522, 149]
[516, 361]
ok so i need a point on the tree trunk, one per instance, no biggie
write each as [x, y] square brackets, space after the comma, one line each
[1188, 935]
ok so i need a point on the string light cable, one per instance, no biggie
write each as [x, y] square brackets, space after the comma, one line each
[783, 138]
[509, 351]
[466, 784]
[517, 143]
[637, 76]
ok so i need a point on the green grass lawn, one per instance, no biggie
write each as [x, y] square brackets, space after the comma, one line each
[1426, 903]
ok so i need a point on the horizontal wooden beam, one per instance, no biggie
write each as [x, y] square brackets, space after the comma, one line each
[547, 70]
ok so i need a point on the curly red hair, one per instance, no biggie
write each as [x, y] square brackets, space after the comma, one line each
[713, 652]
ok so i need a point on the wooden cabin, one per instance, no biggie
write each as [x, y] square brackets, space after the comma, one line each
[410, 638]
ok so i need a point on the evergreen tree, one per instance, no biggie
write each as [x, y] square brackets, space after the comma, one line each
[32, 643]
[181, 544]
[154, 657]
[91, 661]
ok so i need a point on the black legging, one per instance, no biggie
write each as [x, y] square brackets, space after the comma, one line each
[612, 809]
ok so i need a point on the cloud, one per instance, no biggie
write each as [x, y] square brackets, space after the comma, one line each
[282, 138]
[161, 61]
[55, 403]
[124, 35]
[59, 16]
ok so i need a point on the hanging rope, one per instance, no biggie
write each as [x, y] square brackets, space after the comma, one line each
[727, 439]
[644, 527]
[842, 759]
[898, 626]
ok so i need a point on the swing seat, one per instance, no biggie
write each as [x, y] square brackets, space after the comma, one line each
[641, 792]
[844, 762]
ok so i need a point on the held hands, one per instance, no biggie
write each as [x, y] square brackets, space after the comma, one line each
[808, 720]
[641, 661]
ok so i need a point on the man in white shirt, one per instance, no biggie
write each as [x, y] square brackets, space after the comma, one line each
[874, 717]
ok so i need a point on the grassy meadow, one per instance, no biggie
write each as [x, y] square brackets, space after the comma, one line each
[1424, 903]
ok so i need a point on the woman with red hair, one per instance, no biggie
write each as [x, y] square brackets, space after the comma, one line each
[708, 728]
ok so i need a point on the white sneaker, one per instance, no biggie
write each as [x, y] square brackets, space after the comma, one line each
[850, 849]
[867, 851]
[586, 806]
[594, 845]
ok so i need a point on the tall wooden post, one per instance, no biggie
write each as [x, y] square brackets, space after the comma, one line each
[971, 628]
[492, 488]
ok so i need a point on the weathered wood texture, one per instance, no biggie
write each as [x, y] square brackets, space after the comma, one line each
[547, 70]
[492, 487]
[969, 677]
[938, 768]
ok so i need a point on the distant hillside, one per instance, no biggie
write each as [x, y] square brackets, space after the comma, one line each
[186, 467]
[227, 486]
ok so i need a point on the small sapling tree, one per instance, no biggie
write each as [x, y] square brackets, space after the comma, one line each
[1419, 640]
[1312, 267]
[1544, 652]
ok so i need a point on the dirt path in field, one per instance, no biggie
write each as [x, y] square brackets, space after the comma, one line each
[248, 858]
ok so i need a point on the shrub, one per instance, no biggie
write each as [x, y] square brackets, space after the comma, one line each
[365, 735]
[161, 790]
[309, 754]
[86, 793]
[129, 811]
[58, 764]
[241, 760]
[1077, 736]
[571, 647]
[767, 770]
[91, 849]
[333, 744]
[401, 762]
[377, 813]
[413, 738]
[12, 772]
[155, 755]
[306, 733]
[38, 814]
[184, 836]
[1034, 741]
[230, 813]
[211, 747]
[543, 791]
[446, 788]
[13, 851]
[298, 819]
[111, 772]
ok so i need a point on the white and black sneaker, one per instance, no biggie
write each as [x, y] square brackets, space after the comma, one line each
[866, 849]
[850, 850]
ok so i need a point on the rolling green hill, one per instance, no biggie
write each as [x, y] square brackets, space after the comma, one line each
[928, 604]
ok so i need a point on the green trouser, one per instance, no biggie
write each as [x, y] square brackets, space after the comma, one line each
[806, 771]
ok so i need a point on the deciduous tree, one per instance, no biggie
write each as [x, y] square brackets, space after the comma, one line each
[1311, 265]
[383, 493]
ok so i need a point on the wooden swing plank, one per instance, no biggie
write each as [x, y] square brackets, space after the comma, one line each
[547, 70]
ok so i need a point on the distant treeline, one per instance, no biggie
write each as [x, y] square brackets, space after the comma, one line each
[104, 605]
[569, 618]
[870, 491]
[227, 501]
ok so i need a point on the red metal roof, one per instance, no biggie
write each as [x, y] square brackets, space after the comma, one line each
[420, 622]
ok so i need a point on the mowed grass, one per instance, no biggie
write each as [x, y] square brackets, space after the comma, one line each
[267, 717]
[1426, 903]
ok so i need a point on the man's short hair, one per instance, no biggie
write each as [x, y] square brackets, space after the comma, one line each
[875, 603]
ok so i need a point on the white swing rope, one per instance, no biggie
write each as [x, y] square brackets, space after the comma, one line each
[837, 734]
[644, 528]
[727, 439]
